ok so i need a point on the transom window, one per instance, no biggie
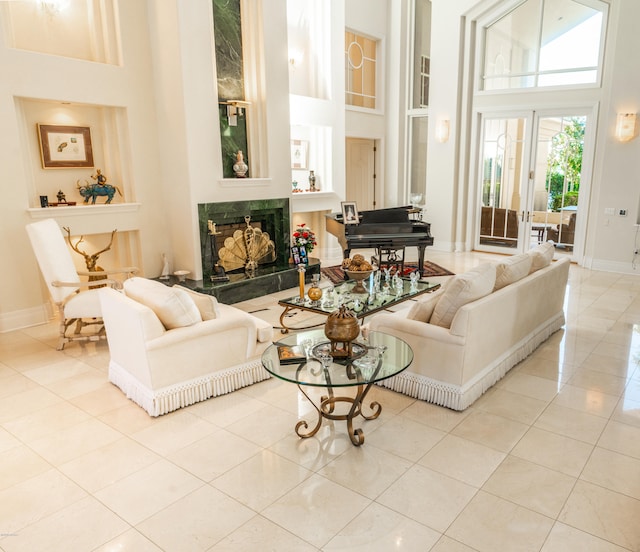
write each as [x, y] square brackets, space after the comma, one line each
[544, 43]
[360, 66]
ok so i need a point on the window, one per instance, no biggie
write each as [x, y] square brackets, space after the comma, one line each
[544, 43]
[360, 66]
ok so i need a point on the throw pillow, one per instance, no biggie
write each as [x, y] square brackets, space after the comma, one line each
[172, 305]
[541, 256]
[462, 289]
[423, 308]
[513, 269]
[206, 304]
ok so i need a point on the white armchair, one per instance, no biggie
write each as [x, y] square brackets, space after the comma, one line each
[77, 302]
[171, 347]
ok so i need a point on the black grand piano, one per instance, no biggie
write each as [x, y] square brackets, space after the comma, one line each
[386, 230]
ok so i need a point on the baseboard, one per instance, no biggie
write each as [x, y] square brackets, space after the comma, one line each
[25, 318]
[612, 266]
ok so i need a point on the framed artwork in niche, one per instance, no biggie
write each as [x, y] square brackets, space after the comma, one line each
[299, 154]
[65, 147]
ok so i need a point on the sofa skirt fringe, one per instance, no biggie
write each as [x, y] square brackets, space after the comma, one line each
[171, 398]
[461, 397]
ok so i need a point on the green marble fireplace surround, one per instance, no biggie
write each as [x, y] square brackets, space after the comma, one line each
[271, 216]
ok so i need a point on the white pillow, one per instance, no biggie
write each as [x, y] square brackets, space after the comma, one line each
[541, 256]
[512, 269]
[463, 289]
[206, 304]
[423, 308]
[172, 305]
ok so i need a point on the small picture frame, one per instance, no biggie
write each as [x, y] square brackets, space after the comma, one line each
[303, 254]
[295, 255]
[65, 147]
[299, 154]
[350, 212]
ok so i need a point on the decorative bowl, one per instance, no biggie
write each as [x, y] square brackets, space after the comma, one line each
[181, 274]
[358, 276]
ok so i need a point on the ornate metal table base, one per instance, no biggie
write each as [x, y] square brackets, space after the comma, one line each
[285, 329]
[327, 410]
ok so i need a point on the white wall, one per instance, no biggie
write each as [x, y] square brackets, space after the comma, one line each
[611, 240]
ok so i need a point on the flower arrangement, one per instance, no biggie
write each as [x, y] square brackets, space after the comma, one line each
[304, 237]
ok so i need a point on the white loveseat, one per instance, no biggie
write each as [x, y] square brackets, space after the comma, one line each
[171, 347]
[469, 334]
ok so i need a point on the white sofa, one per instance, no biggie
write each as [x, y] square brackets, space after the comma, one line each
[171, 347]
[469, 334]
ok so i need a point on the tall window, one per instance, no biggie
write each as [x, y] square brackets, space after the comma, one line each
[418, 114]
[360, 66]
[545, 43]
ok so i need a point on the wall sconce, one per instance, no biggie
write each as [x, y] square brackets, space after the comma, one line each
[235, 109]
[442, 130]
[295, 58]
[52, 8]
[625, 126]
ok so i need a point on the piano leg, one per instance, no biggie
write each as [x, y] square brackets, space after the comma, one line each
[421, 250]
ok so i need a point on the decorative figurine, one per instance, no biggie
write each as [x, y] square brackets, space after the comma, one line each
[217, 272]
[414, 277]
[165, 268]
[61, 197]
[240, 167]
[98, 189]
[90, 260]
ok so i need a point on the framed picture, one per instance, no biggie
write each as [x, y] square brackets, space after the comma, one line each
[303, 254]
[350, 212]
[65, 147]
[295, 255]
[299, 154]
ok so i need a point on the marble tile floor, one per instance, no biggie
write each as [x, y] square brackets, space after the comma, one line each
[548, 460]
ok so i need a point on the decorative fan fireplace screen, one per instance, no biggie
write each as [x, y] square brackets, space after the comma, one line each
[247, 248]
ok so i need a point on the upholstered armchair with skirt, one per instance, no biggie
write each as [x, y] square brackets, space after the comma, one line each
[171, 347]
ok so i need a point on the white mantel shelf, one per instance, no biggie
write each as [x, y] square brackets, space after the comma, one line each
[307, 202]
[235, 182]
[92, 219]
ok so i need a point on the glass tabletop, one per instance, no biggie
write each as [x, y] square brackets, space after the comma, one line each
[361, 304]
[302, 358]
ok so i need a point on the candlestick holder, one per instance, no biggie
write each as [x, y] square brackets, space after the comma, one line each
[301, 271]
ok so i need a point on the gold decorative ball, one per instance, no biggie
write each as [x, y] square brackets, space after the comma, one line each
[314, 293]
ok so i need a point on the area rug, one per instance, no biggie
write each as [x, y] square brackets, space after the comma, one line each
[336, 275]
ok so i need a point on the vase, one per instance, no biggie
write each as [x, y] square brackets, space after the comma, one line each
[312, 181]
[240, 168]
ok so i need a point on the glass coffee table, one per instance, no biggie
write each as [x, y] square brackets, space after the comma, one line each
[361, 304]
[304, 359]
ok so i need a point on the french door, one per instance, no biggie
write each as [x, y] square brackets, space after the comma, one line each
[533, 168]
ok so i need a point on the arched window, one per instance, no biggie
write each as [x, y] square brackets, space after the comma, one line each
[542, 43]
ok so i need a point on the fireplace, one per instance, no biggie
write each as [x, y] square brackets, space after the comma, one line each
[271, 216]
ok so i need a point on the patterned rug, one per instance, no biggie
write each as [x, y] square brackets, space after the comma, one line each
[336, 275]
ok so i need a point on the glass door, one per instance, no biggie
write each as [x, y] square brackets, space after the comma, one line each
[531, 175]
[503, 185]
[557, 176]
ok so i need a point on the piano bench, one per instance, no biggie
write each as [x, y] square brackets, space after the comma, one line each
[391, 257]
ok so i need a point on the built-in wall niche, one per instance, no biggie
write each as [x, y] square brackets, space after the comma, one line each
[311, 151]
[110, 148]
[82, 29]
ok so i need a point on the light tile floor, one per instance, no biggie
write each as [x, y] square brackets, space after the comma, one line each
[547, 460]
